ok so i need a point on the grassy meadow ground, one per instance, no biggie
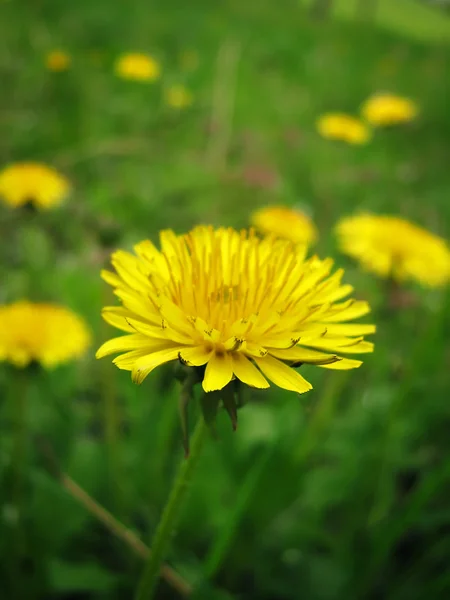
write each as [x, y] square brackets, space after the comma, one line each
[340, 493]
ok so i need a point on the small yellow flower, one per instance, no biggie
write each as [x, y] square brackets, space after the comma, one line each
[177, 96]
[45, 333]
[339, 126]
[139, 67]
[57, 61]
[237, 306]
[392, 247]
[39, 184]
[285, 223]
[386, 109]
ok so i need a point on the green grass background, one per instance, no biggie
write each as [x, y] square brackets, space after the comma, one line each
[340, 493]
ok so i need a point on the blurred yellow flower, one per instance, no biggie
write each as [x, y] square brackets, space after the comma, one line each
[237, 306]
[178, 96]
[386, 109]
[57, 60]
[140, 67]
[45, 333]
[339, 126]
[392, 247]
[286, 223]
[37, 183]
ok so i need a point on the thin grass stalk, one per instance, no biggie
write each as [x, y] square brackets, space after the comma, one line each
[109, 521]
[223, 100]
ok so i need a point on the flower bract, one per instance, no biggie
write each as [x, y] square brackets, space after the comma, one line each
[234, 306]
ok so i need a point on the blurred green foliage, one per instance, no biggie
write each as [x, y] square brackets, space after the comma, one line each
[341, 493]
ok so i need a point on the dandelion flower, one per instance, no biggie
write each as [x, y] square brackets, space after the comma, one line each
[382, 110]
[392, 247]
[342, 127]
[44, 333]
[37, 183]
[285, 223]
[177, 96]
[139, 67]
[234, 307]
[57, 61]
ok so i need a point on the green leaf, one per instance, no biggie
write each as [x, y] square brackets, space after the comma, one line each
[79, 577]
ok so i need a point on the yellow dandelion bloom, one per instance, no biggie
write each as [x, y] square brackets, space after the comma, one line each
[39, 184]
[45, 333]
[177, 96]
[139, 67]
[392, 247]
[285, 223]
[386, 109]
[57, 61]
[342, 127]
[237, 306]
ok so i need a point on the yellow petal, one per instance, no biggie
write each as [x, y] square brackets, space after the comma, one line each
[281, 375]
[343, 365]
[304, 355]
[163, 331]
[218, 372]
[118, 344]
[349, 329]
[146, 364]
[356, 310]
[127, 361]
[135, 341]
[359, 348]
[117, 317]
[110, 278]
[246, 371]
[254, 350]
[196, 356]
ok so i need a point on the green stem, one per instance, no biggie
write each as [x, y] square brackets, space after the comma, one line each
[168, 521]
[19, 443]
[112, 440]
[18, 457]
[220, 548]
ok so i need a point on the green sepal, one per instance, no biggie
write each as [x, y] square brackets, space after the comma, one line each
[229, 403]
[189, 378]
[209, 405]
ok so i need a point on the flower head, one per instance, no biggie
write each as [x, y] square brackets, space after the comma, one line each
[140, 67]
[386, 109]
[285, 223]
[45, 333]
[177, 96]
[342, 127]
[392, 247]
[39, 184]
[234, 305]
[57, 60]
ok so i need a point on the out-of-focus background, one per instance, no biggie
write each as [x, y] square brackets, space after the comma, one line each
[340, 493]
